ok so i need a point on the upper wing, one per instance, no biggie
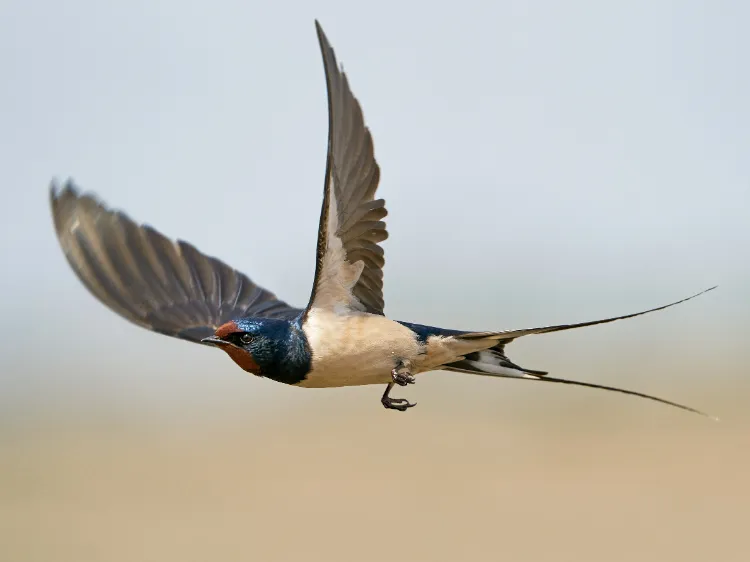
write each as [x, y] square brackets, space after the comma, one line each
[167, 287]
[348, 272]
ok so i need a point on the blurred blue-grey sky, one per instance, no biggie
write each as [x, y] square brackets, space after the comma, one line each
[542, 162]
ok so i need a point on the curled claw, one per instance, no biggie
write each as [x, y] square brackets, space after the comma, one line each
[400, 404]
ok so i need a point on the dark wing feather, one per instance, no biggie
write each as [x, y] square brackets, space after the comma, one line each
[165, 286]
[351, 225]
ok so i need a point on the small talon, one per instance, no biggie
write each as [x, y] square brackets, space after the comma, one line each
[401, 376]
[399, 404]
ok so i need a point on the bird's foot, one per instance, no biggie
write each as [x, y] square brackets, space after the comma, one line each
[401, 376]
[400, 404]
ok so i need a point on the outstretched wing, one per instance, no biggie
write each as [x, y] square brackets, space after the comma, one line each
[348, 272]
[165, 286]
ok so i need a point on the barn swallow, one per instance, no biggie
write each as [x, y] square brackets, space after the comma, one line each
[342, 337]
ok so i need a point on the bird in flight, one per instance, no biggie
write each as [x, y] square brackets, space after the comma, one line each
[341, 337]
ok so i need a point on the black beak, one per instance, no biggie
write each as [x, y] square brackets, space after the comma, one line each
[213, 340]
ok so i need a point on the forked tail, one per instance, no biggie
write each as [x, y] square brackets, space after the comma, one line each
[493, 361]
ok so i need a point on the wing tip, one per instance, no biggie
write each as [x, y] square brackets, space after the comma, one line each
[322, 38]
[62, 199]
[58, 189]
[67, 192]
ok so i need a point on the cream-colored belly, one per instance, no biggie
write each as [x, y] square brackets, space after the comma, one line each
[357, 349]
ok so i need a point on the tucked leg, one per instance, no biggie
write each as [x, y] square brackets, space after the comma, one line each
[401, 375]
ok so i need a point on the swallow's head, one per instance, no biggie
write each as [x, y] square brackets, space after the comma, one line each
[250, 343]
[264, 347]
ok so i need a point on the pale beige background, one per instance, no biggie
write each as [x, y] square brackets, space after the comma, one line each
[543, 162]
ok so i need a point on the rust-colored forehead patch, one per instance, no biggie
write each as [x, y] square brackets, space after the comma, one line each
[225, 329]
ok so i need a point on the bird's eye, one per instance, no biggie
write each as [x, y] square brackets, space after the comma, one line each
[246, 338]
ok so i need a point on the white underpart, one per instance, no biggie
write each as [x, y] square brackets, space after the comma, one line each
[337, 276]
[360, 348]
[355, 349]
